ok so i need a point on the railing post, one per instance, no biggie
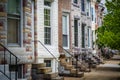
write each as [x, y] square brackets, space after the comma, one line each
[76, 56]
[4, 60]
[16, 68]
[10, 64]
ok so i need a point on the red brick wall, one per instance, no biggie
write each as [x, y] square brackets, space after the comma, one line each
[63, 5]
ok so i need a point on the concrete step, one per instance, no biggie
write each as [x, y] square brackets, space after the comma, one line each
[108, 67]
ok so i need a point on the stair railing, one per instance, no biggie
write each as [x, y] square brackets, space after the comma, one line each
[47, 50]
[9, 58]
[73, 56]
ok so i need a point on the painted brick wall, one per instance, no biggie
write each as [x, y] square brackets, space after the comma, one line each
[41, 51]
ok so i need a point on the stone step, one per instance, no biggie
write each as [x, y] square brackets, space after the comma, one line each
[50, 75]
[38, 65]
[68, 67]
[79, 74]
[108, 67]
[58, 78]
[44, 70]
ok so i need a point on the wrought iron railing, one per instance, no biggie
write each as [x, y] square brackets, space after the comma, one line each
[7, 57]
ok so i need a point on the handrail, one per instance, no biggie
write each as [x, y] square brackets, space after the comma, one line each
[66, 51]
[47, 50]
[4, 74]
[16, 60]
[10, 52]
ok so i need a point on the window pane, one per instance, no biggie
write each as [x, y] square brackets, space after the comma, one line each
[82, 5]
[65, 41]
[64, 24]
[48, 63]
[12, 31]
[47, 2]
[76, 32]
[75, 1]
[14, 6]
[47, 35]
[47, 17]
[83, 36]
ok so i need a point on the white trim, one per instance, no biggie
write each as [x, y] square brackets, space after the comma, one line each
[68, 35]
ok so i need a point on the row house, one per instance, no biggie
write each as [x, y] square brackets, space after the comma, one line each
[16, 35]
[38, 31]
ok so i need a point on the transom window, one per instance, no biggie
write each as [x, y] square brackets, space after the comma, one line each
[13, 19]
[47, 3]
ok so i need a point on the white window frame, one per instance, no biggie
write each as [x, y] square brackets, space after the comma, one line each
[68, 36]
[48, 7]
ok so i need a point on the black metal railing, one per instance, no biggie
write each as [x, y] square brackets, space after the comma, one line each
[8, 58]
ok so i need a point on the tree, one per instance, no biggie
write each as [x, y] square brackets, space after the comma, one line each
[109, 32]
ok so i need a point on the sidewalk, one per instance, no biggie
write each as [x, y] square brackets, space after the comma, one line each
[108, 71]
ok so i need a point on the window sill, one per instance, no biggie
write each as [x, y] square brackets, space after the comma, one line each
[13, 45]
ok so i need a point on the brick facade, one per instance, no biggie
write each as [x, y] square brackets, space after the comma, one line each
[63, 6]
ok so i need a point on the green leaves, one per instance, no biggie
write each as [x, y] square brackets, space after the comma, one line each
[109, 32]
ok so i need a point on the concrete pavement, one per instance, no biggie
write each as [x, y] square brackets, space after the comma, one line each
[108, 71]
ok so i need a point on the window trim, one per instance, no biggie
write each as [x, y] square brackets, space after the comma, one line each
[20, 43]
[68, 35]
[48, 7]
[76, 45]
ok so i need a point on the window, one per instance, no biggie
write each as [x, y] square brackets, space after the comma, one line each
[47, 34]
[47, 20]
[92, 13]
[76, 32]
[83, 35]
[88, 8]
[47, 17]
[83, 5]
[88, 37]
[48, 63]
[65, 30]
[75, 1]
[13, 30]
